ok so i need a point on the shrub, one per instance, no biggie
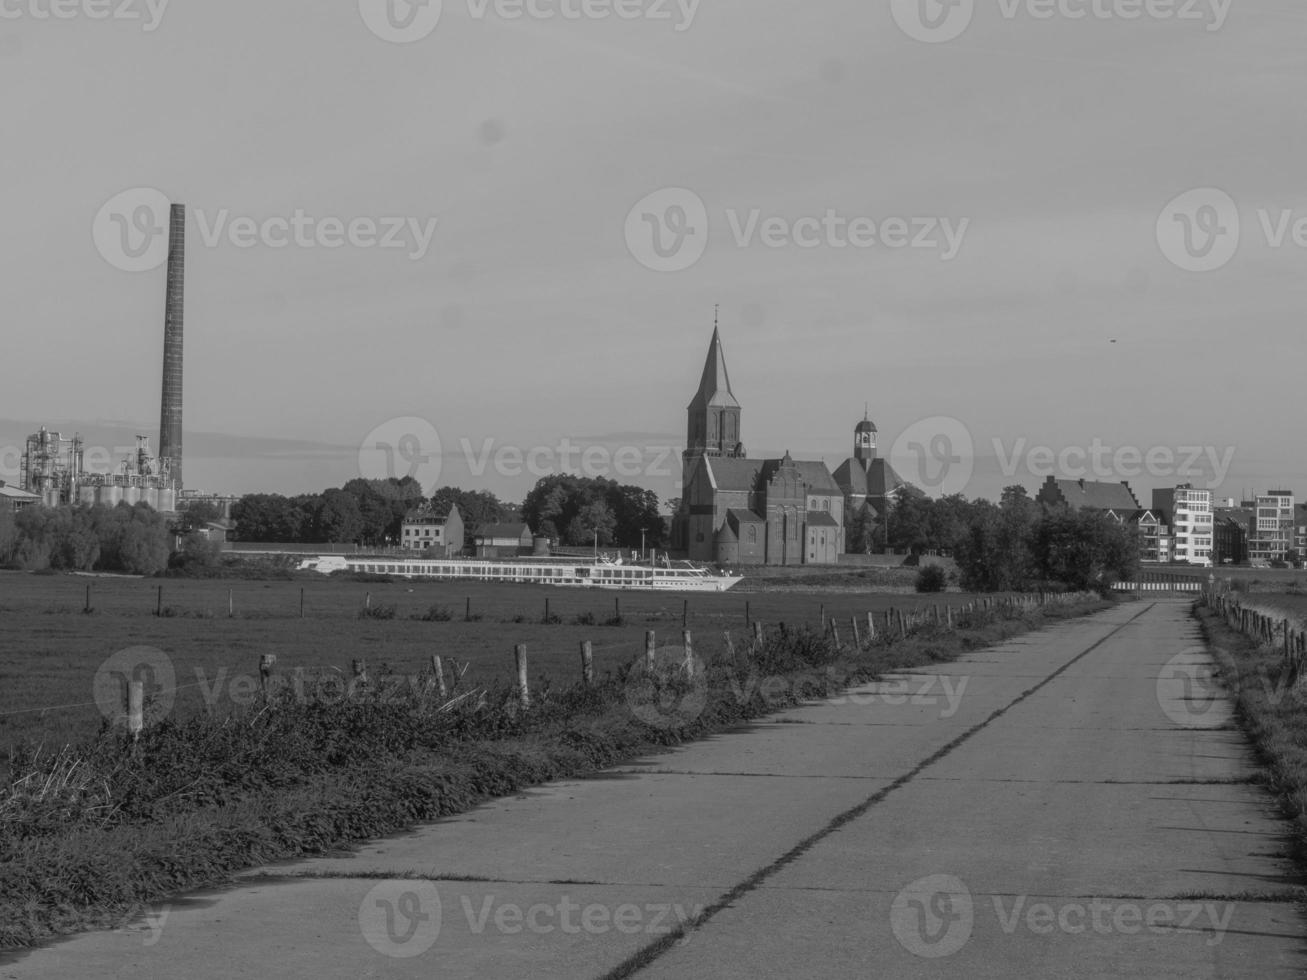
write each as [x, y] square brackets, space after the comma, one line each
[377, 612]
[932, 578]
[437, 614]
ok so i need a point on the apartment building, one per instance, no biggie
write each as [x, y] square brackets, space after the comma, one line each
[1273, 532]
[1188, 511]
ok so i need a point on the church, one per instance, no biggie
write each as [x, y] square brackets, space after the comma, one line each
[741, 511]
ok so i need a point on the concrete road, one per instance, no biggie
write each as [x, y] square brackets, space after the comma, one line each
[1074, 803]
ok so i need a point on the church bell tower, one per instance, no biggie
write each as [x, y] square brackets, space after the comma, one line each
[713, 424]
[864, 442]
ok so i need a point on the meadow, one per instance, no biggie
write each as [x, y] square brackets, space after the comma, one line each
[51, 648]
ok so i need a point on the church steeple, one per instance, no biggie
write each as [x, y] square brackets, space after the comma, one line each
[864, 441]
[714, 415]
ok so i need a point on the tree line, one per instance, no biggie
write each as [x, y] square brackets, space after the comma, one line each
[1013, 545]
[132, 539]
[370, 513]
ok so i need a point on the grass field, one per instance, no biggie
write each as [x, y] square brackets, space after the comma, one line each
[50, 649]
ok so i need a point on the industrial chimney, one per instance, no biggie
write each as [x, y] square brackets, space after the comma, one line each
[170, 415]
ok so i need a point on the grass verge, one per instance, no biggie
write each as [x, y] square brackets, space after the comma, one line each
[1271, 711]
[95, 835]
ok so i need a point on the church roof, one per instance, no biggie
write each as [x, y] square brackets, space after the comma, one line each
[744, 516]
[744, 475]
[819, 518]
[878, 480]
[725, 535]
[739, 475]
[715, 385]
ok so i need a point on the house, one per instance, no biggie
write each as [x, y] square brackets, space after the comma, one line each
[16, 499]
[503, 541]
[1090, 494]
[1156, 542]
[441, 532]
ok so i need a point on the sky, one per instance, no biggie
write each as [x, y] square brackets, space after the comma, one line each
[483, 241]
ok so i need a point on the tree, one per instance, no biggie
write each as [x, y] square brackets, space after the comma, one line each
[1085, 549]
[863, 525]
[478, 508]
[594, 521]
[198, 514]
[338, 518]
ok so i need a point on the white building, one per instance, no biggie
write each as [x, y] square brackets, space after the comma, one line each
[1189, 513]
[1273, 527]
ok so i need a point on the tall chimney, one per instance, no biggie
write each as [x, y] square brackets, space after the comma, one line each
[170, 414]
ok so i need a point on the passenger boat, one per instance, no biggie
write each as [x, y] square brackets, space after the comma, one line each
[643, 576]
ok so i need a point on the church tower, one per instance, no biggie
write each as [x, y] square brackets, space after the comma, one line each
[713, 425]
[864, 442]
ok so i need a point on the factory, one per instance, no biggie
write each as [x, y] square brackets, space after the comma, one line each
[55, 469]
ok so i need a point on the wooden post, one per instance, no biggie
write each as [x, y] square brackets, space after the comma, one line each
[903, 624]
[757, 636]
[748, 621]
[231, 605]
[587, 663]
[948, 616]
[857, 637]
[135, 708]
[823, 618]
[650, 645]
[617, 607]
[547, 609]
[689, 653]
[835, 633]
[88, 598]
[467, 611]
[685, 614]
[158, 609]
[439, 668]
[730, 645]
[523, 691]
[871, 628]
[361, 671]
[301, 603]
[937, 617]
[266, 663]
[367, 603]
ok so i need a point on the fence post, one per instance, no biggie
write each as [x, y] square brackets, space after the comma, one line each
[650, 645]
[617, 606]
[823, 618]
[948, 616]
[439, 669]
[88, 598]
[857, 640]
[835, 633]
[231, 605]
[685, 614]
[135, 708]
[158, 609]
[748, 620]
[757, 636]
[266, 663]
[689, 654]
[523, 691]
[467, 610]
[301, 603]
[587, 663]
[546, 610]
[367, 603]
[871, 627]
[730, 645]
[361, 671]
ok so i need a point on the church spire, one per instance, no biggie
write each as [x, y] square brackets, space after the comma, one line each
[713, 427]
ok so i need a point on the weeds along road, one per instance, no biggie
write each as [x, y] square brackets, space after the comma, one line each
[1063, 805]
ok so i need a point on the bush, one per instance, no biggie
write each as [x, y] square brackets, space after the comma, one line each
[377, 612]
[932, 578]
[437, 614]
